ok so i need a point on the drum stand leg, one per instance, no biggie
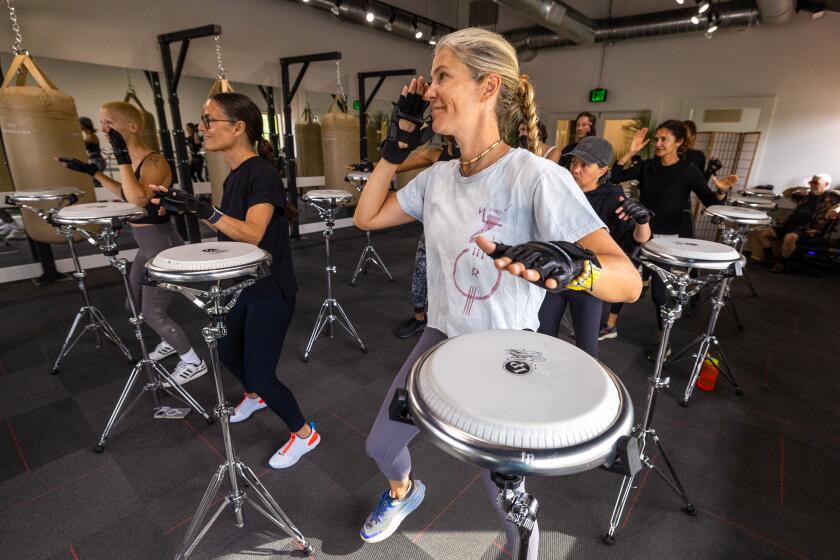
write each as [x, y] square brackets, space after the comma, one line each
[521, 508]
[96, 321]
[157, 374]
[331, 311]
[236, 471]
[706, 340]
[370, 257]
[645, 430]
[746, 278]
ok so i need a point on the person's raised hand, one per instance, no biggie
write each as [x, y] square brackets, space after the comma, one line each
[119, 147]
[725, 183]
[631, 209]
[640, 140]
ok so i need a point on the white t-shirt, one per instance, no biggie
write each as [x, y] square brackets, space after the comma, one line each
[521, 197]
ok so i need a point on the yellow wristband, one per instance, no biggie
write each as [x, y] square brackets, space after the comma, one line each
[585, 281]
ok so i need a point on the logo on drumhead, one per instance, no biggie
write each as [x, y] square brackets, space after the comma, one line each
[522, 361]
[518, 368]
[214, 250]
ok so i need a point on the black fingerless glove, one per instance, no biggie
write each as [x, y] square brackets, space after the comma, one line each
[362, 166]
[712, 167]
[636, 210]
[78, 165]
[408, 107]
[119, 147]
[178, 202]
[571, 266]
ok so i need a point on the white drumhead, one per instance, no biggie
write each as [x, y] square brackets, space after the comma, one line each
[327, 195]
[519, 389]
[212, 255]
[735, 213]
[694, 249]
[58, 193]
[754, 201]
[357, 177]
[98, 210]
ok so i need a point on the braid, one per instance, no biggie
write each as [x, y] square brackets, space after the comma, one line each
[529, 113]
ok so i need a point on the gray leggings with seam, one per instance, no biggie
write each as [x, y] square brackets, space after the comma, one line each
[387, 443]
[154, 302]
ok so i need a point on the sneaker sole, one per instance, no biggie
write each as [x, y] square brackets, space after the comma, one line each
[164, 356]
[296, 460]
[261, 407]
[193, 378]
[607, 336]
[400, 518]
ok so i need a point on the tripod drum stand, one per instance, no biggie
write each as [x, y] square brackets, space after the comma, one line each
[370, 257]
[327, 203]
[214, 262]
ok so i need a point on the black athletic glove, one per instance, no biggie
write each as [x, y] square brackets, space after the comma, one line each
[637, 211]
[572, 266]
[362, 166]
[409, 107]
[712, 168]
[74, 164]
[178, 201]
[119, 147]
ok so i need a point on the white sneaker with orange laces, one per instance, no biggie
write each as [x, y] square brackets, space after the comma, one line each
[246, 408]
[294, 449]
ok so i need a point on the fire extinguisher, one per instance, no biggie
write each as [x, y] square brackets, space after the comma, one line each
[708, 374]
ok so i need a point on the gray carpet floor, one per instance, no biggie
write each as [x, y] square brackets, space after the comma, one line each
[759, 467]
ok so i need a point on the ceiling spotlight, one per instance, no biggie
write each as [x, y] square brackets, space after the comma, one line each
[695, 20]
[369, 16]
[714, 22]
[703, 6]
[680, 2]
[417, 33]
[336, 8]
[433, 38]
[306, 1]
[389, 26]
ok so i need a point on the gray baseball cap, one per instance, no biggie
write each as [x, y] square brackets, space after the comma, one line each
[593, 150]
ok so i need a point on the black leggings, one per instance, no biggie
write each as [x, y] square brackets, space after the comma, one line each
[586, 317]
[256, 327]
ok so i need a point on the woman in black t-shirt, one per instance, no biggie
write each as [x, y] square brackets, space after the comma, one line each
[254, 211]
[666, 182]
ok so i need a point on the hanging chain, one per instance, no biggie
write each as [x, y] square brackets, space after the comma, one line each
[338, 82]
[129, 87]
[222, 75]
[17, 44]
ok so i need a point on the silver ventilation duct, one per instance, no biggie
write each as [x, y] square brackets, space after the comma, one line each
[557, 17]
[672, 22]
[776, 11]
[397, 22]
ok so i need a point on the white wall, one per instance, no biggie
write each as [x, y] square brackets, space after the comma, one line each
[796, 62]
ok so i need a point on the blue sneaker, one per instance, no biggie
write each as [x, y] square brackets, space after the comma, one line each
[389, 513]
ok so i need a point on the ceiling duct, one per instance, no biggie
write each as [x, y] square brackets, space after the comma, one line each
[775, 11]
[401, 22]
[672, 22]
[558, 17]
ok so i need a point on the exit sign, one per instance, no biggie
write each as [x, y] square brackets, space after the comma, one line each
[597, 95]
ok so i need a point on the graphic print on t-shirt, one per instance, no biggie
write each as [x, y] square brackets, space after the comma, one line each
[473, 273]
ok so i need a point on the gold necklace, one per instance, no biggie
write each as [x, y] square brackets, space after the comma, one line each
[471, 163]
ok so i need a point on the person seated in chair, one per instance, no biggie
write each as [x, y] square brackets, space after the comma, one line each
[816, 208]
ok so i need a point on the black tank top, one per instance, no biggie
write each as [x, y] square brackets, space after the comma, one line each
[152, 216]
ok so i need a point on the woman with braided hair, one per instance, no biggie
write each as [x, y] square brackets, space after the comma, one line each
[492, 191]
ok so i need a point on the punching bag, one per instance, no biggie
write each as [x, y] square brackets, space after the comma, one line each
[340, 139]
[150, 133]
[39, 123]
[217, 167]
[310, 155]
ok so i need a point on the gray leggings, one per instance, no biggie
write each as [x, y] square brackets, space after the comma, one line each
[387, 443]
[154, 302]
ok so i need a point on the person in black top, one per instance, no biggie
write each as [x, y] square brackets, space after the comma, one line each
[139, 168]
[419, 294]
[253, 211]
[817, 208]
[627, 221]
[584, 126]
[194, 142]
[666, 182]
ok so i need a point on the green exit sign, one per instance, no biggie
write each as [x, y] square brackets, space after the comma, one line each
[597, 95]
[356, 104]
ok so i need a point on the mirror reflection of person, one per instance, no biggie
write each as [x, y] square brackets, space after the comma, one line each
[194, 144]
[140, 167]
